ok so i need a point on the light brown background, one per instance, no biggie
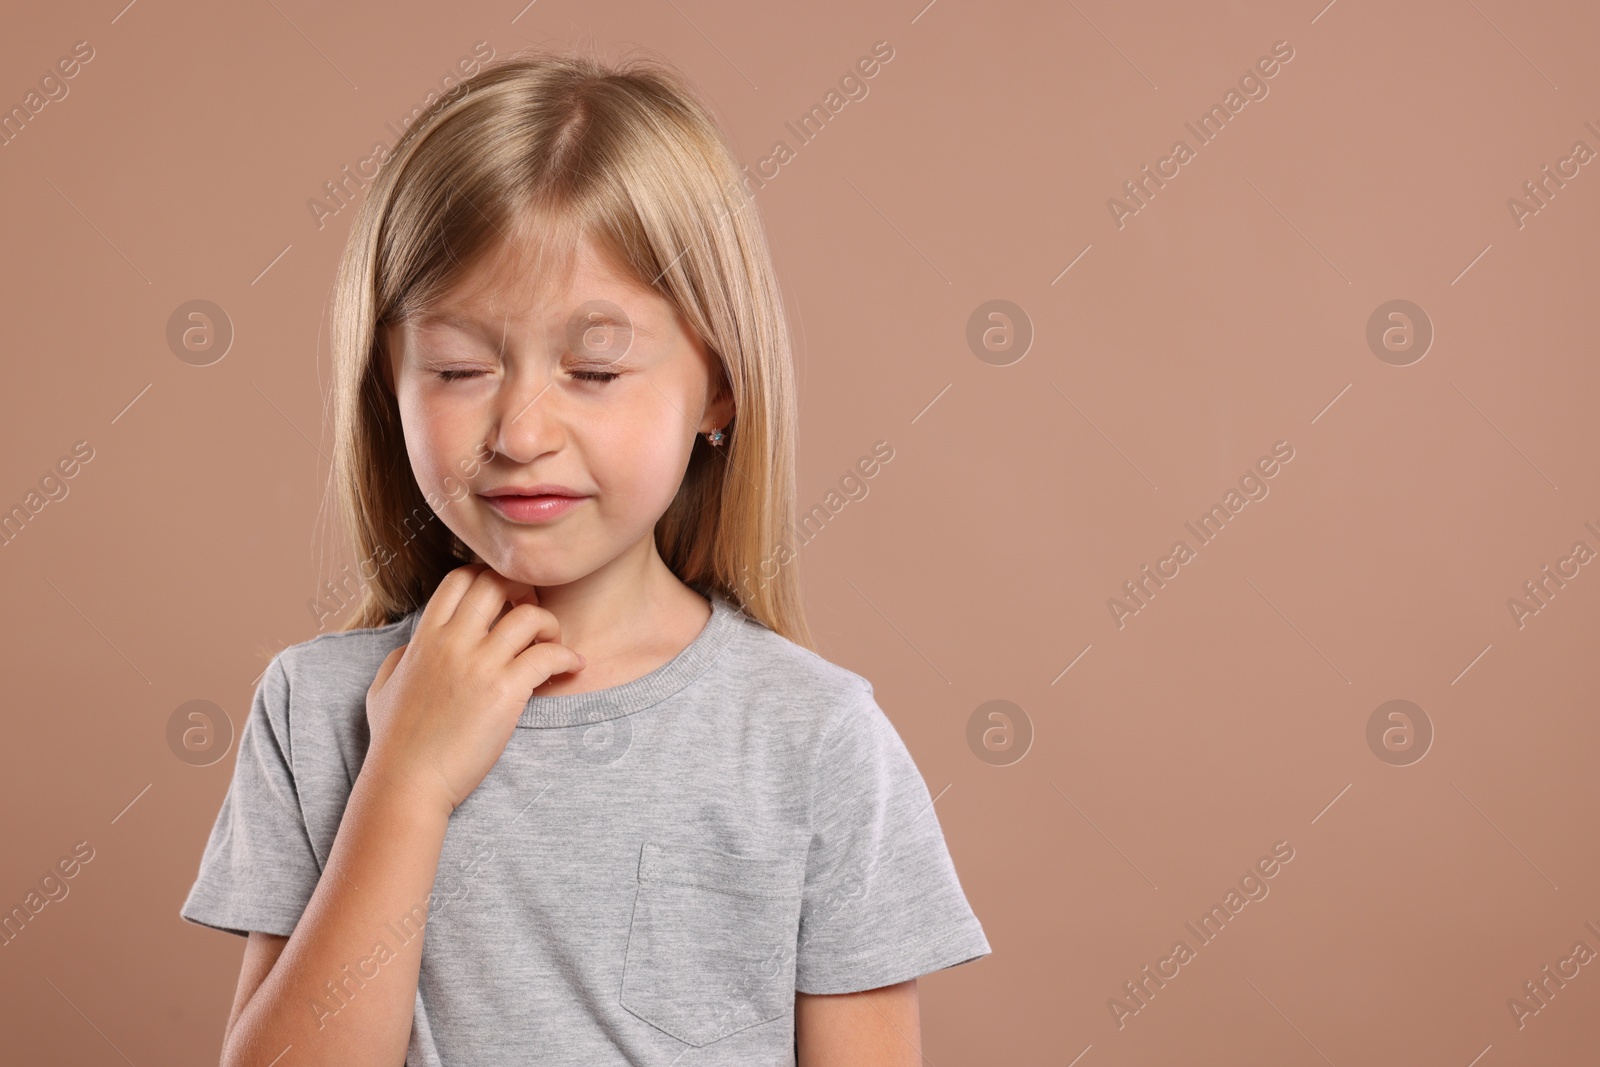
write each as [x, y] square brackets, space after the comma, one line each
[1230, 313]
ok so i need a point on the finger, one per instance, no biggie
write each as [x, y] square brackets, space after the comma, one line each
[523, 625]
[441, 606]
[543, 660]
[386, 668]
[483, 600]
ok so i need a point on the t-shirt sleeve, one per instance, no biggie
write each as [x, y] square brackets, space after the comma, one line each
[258, 870]
[881, 903]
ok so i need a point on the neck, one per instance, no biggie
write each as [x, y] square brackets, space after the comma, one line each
[629, 603]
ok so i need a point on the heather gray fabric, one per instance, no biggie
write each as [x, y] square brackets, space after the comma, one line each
[646, 876]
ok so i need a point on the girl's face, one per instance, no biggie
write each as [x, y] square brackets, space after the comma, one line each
[598, 390]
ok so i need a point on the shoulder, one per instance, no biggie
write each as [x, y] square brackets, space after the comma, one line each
[344, 656]
[320, 684]
[778, 674]
[306, 739]
[777, 660]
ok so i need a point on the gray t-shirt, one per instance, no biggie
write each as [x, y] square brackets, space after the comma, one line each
[646, 876]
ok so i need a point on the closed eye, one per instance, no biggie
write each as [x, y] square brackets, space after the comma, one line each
[588, 376]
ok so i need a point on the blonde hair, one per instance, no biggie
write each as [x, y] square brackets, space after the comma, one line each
[558, 148]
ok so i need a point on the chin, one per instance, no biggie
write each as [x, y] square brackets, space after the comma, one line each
[517, 569]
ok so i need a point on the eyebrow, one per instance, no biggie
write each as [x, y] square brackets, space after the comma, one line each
[450, 319]
[468, 324]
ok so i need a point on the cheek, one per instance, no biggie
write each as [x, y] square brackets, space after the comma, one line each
[434, 433]
[641, 455]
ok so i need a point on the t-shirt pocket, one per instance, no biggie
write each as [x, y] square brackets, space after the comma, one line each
[711, 950]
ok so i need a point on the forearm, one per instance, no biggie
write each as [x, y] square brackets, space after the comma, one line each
[873, 1028]
[333, 994]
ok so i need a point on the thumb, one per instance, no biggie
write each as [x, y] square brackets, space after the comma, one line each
[386, 668]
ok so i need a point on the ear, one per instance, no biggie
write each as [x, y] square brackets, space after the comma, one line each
[720, 409]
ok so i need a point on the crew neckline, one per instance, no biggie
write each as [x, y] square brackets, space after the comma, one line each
[599, 705]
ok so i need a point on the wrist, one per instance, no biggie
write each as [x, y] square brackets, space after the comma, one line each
[404, 787]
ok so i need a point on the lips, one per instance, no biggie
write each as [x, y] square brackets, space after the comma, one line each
[542, 507]
[537, 490]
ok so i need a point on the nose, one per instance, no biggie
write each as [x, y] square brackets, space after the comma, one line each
[528, 420]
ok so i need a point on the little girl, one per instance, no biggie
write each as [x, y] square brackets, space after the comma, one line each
[571, 787]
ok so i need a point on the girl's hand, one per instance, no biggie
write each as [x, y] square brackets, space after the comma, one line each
[442, 707]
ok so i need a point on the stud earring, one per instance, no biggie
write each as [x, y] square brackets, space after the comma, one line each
[715, 437]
